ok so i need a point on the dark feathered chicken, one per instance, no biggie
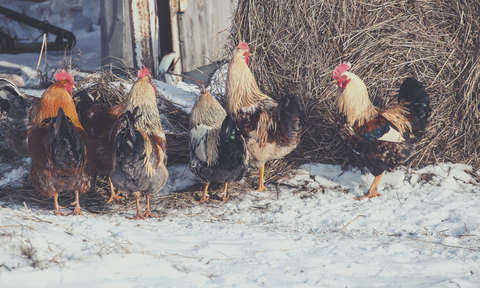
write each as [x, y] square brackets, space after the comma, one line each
[19, 109]
[382, 138]
[217, 149]
[99, 122]
[139, 150]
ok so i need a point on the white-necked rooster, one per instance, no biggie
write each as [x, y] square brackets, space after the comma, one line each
[271, 129]
[217, 149]
[382, 138]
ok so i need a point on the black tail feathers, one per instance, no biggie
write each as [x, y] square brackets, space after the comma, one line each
[291, 114]
[15, 104]
[232, 150]
[8, 93]
[128, 142]
[85, 103]
[413, 91]
[66, 146]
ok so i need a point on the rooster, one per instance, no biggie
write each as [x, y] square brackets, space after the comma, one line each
[55, 140]
[139, 145]
[217, 150]
[382, 138]
[98, 122]
[271, 129]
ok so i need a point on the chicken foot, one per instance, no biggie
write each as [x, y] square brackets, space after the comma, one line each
[205, 193]
[261, 186]
[113, 196]
[224, 192]
[147, 212]
[372, 192]
[77, 210]
[57, 207]
[139, 215]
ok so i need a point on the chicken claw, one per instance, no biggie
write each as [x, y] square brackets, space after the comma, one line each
[372, 192]
[113, 196]
[76, 211]
[205, 196]
[57, 207]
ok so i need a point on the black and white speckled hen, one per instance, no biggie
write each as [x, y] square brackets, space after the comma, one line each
[217, 149]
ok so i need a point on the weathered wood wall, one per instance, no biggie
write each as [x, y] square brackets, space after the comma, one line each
[203, 28]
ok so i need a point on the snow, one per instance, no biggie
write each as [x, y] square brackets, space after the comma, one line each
[424, 234]
[305, 231]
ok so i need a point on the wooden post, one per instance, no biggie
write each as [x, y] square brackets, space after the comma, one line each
[130, 34]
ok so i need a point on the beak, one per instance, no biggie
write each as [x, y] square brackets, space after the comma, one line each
[73, 86]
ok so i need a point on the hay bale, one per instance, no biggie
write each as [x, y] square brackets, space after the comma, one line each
[296, 45]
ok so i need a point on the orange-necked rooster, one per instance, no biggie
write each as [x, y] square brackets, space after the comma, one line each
[139, 145]
[382, 138]
[271, 129]
[217, 149]
[55, 140]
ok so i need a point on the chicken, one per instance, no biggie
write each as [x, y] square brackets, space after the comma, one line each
[217, 150]
[382, 138]
[19, 109]
[271, 129]
[55, 140]
[139, 145]
[98, 122]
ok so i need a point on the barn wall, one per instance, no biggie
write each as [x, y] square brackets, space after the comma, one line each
[203, 28]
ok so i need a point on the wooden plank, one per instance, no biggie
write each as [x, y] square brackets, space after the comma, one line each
[203, 28]
[174, 5]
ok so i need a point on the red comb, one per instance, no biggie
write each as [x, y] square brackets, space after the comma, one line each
[344, 67]
[143, 72]
[244, 46]
[62, 75]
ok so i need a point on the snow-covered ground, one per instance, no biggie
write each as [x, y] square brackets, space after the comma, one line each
[305, 231]
[423, 232]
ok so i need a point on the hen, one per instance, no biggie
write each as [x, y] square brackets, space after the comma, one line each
[271, 129]
[139, 146]
[55, 140]
[382, 138]
[217, 150]
[98, 122]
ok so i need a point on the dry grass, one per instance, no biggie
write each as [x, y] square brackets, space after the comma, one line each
[296, 45]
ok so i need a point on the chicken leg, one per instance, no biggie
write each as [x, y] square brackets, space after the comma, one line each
[205, 193]
[147, 212]
[56, 206]
[224, 192]
[113, 196]
[372, 192]
[77, 210]
[139, 215]
[261, 186]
